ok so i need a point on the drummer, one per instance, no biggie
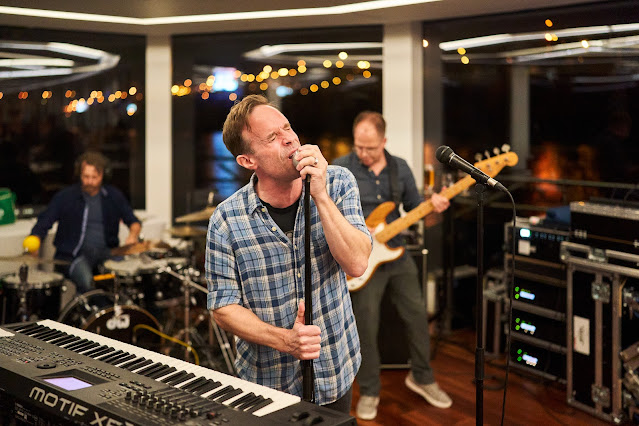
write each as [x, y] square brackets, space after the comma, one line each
[88, 215]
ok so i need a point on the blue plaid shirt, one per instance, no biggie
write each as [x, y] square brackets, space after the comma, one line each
[250, 262]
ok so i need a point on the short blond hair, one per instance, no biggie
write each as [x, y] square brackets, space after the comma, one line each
[237, 120]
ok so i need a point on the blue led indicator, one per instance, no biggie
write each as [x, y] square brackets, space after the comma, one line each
[524, 233]
[530, 360]
[527, 295]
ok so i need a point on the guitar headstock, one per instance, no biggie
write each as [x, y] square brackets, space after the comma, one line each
[492, 165]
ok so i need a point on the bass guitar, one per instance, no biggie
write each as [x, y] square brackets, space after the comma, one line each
[384, 232]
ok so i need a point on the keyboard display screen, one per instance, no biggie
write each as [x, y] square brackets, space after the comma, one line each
[68, 383]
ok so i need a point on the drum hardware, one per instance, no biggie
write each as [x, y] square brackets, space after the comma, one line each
[222, 339]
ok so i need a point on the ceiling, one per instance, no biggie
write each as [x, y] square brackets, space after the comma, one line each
[141, 16]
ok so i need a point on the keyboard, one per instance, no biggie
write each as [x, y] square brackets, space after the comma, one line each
[50, 367]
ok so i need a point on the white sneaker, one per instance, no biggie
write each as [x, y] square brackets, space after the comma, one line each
[431, 393]
[367, 407]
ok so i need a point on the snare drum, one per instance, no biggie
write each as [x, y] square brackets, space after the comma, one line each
[94, 311]
[43, 291]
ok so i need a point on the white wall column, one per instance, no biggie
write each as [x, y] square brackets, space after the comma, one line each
[158, 145]
[520, 114]
[403, 95]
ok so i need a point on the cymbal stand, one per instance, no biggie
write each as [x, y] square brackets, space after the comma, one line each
[222, 339]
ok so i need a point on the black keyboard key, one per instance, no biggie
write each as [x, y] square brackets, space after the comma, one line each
[259, 405]
[162, 372]
[140, 364]
[121, 359]
[182, 379]
[173, 376]
[194, 384]
[221, 392]
[132, 362]
[229, 395]
[112, 355]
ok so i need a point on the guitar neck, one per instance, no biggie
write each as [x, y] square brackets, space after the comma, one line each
[425, 208]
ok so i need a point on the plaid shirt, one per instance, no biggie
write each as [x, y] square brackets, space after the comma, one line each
[250, 262]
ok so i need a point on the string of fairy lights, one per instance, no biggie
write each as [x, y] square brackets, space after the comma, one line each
[261, 81]
[268, 75]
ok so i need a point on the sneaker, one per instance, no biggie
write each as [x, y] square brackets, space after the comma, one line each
[431, 393]
[367, 407]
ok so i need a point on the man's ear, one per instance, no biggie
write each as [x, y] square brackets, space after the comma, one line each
[246, 162]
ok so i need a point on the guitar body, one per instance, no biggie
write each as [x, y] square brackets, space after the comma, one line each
[381, 254]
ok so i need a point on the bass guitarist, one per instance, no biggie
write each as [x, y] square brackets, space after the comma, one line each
[382, 177]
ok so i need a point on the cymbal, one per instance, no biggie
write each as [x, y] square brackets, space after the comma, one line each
[187, 231]
[196, 216]
[137, 248]
[29, 258]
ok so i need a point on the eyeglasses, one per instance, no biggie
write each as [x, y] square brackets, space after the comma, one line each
[367, 150]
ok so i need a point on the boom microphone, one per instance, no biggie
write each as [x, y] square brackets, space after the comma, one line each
[446, 155]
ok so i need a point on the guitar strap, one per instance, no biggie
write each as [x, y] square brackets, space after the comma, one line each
[394, 178]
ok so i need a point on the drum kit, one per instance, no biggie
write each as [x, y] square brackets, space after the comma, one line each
[148, 294]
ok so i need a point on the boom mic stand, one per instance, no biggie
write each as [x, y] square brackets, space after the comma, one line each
[479, 350]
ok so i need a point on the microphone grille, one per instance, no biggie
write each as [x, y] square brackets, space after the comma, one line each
[443, 154]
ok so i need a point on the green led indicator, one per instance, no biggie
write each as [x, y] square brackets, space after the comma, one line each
[516, 296]
[519, 351]
[516, 288]
[518, 358]
[517, 328]
[517, 320]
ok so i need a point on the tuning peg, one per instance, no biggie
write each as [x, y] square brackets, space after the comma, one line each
[496, 151]
[478, 157]
[487, 154]
[505, 148]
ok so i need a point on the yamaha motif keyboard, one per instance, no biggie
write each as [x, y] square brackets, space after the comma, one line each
[54, 374]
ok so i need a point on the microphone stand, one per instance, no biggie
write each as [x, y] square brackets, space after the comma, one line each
[307, 365]
[479, 350]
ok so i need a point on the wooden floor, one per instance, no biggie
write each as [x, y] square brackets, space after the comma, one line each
[530, 401]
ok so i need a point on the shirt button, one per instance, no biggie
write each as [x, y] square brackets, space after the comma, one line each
[294, 245]
[299, 275]
[377, 182]
[379, 197]
[273, 229]
[264, 209]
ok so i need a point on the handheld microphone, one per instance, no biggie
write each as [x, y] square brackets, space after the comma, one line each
[446, 155]
[295, 163]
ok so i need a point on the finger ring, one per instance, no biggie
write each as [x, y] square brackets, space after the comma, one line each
[316, 161]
